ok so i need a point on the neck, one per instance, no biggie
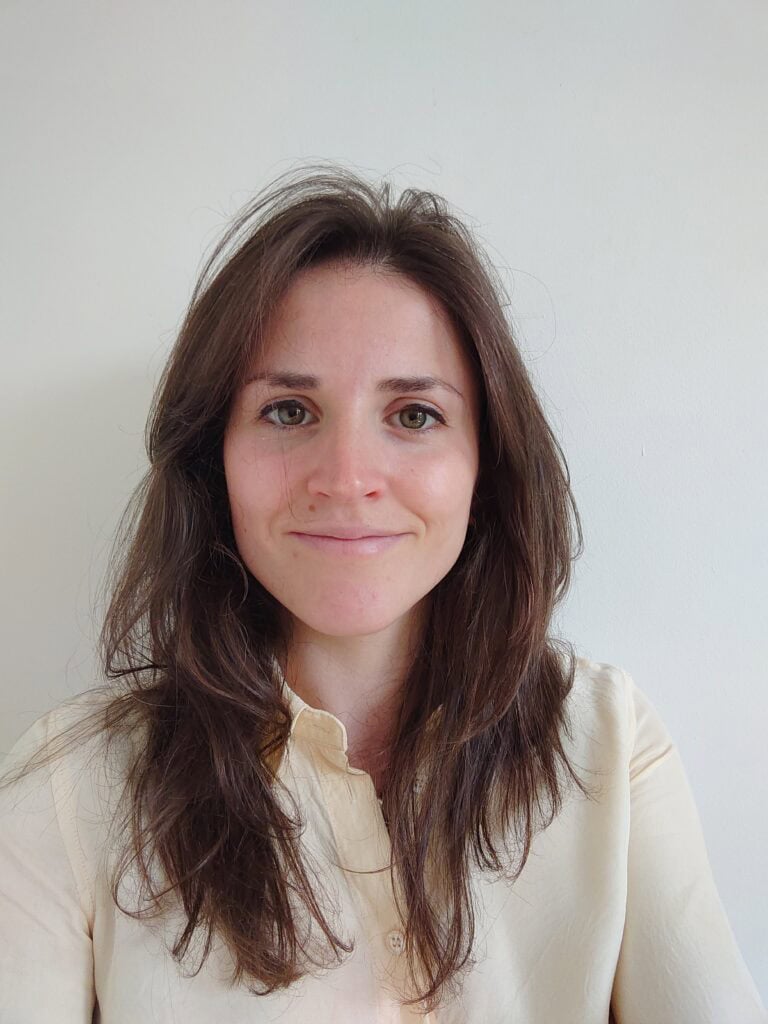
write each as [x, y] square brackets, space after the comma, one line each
[358, 679]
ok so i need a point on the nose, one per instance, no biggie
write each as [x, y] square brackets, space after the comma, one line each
[346, 462]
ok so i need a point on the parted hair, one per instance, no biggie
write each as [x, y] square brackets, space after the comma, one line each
[190, 637]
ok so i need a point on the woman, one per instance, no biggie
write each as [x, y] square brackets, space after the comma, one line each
[343, 773]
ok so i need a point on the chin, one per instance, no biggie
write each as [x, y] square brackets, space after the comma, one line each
[358, 612]
[352, 624]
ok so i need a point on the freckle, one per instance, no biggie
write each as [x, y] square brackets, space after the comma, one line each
[311, 508]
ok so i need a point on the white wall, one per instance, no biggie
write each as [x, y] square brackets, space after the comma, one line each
[614, 154]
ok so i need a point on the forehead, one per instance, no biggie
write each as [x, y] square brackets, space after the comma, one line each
[360, 319]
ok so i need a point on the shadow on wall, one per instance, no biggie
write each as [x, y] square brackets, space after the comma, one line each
[73, 455]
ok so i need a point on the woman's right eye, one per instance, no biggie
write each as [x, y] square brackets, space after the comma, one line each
[294, 412]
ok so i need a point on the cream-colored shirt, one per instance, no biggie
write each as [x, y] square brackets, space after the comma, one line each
[616, 908]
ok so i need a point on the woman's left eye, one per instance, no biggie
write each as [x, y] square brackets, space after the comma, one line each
[420, 412]
[416, 415]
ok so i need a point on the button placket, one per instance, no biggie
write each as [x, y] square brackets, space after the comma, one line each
[363, 855]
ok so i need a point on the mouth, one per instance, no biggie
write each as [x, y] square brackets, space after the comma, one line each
[371, 545]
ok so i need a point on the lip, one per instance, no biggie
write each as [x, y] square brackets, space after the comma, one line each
[373, 544]
[349, 532]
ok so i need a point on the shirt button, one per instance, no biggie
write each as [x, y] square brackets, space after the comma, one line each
[396, 941]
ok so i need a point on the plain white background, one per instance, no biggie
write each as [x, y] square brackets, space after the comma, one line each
[613, 159]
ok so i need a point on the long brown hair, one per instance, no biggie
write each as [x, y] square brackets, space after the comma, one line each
[189, 635]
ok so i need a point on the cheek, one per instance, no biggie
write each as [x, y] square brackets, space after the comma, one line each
[443, 489]
[255, 487]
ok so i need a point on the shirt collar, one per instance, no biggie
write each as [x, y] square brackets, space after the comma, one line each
[321, 729]
[314, 725]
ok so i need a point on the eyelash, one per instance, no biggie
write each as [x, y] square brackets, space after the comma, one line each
[297, 426]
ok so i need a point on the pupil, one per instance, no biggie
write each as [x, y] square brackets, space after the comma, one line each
[418, 413]
[290, 409]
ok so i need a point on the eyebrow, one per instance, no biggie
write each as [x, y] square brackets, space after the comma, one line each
[308, 382]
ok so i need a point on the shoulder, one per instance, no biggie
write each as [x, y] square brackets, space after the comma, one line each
[64, 777]
[609, 712]
[69, 734]
[600, 697]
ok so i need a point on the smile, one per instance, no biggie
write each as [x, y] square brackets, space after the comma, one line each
[358, 546]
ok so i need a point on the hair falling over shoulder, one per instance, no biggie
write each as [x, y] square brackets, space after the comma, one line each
[189, 635]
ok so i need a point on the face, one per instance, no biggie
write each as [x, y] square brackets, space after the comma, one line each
[360, 417]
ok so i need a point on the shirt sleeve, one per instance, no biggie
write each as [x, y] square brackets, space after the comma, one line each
[46, 955]
[679, 962]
